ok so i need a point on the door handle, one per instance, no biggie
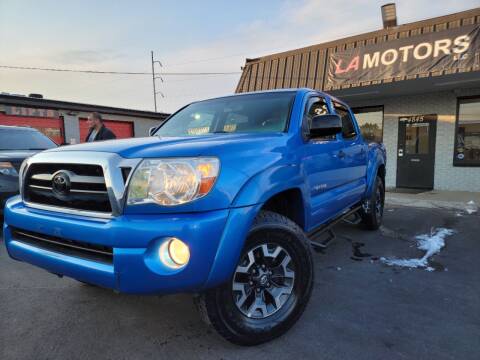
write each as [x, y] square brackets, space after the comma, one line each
[341, 154]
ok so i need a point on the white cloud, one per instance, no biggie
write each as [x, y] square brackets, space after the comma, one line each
[297, 24]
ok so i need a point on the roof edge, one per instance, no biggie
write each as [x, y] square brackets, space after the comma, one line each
[67, 105]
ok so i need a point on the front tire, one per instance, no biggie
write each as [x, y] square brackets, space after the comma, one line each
[270, 287]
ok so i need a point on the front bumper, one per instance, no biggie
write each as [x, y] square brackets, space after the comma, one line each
[215, 240]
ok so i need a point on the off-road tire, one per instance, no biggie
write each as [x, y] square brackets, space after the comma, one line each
[372, 219]
[220, 309]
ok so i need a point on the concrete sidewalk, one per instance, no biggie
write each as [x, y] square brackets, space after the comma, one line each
[434, 199]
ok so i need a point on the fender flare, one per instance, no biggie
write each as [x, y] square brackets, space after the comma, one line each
[269, 182]
[246, 205]
[375, 161]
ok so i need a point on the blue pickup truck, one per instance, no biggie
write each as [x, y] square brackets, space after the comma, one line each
[225, 200]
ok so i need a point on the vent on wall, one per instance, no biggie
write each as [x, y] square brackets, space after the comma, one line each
[389, 15]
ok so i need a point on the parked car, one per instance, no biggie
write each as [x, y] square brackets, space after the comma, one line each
[225, 200]
[16, 144]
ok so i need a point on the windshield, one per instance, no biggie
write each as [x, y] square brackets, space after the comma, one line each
[18, 139]
[265, 112]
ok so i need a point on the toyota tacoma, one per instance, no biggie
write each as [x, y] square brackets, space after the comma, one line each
[224, 200]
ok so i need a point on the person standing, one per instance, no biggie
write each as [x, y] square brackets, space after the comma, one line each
[97, 130]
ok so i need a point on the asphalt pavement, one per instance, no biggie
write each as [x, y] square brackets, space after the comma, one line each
[360, 307]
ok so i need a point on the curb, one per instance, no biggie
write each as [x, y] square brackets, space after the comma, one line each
[421, 203]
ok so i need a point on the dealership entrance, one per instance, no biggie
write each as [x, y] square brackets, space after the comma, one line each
[416, 151]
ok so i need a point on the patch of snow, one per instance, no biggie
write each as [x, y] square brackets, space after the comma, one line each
[431, 243]
[471, 207]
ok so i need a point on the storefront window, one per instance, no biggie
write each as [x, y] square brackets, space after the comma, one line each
[370, 121]
[467, 142]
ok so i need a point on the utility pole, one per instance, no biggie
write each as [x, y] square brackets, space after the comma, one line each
[155, 92]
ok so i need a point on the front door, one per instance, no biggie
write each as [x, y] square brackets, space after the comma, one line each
[416, 151]
[322, 164]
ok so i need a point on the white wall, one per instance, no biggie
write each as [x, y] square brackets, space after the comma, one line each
[447, 176]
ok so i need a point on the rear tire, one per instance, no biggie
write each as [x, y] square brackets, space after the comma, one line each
[372, 213]
[270, 287]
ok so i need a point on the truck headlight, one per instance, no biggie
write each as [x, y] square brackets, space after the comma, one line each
[172, 181]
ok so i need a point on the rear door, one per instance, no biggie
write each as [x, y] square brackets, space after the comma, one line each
[354, 159]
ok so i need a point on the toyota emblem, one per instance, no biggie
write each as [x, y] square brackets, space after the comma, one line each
[61, 183]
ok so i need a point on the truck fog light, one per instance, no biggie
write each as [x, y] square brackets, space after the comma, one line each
[174, 253]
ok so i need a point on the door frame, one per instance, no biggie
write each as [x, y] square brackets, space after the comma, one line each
[431, 118]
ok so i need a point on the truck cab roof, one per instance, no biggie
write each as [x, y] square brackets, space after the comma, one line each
[296, 90]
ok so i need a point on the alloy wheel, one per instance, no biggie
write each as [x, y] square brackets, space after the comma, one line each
[263, 280]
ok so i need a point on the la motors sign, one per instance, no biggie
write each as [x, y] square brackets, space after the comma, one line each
[449, 49]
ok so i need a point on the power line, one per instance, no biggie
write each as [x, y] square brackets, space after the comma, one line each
[118, 72]
[247, 74]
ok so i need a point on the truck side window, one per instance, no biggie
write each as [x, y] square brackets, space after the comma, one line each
[348, 129]
[315, 106]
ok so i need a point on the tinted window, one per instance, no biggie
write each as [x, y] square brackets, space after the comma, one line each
[19, 139]
[348, 129]
[236, 114]
[370, 122]
[467, 149]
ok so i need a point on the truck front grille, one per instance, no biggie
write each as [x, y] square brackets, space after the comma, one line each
[77, 249]
[73, 186]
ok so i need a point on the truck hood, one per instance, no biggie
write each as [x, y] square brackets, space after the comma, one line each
[205, 145]
[242, 157]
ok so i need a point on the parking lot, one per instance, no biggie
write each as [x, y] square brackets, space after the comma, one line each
[360, 308]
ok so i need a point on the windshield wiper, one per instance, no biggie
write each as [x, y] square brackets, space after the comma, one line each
[221, 132]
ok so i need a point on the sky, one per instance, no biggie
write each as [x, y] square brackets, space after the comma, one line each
[186, 36]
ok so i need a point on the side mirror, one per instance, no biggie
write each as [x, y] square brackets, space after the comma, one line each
[152, 130]
[325, 125]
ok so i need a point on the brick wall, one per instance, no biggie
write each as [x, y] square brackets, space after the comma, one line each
[447, 176]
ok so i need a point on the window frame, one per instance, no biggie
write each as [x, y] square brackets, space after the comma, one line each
[456, 162]
[372, 109]
[336, 104]
[304, 127]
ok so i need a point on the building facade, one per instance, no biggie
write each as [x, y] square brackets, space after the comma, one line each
[416, 87]
[66, 122]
